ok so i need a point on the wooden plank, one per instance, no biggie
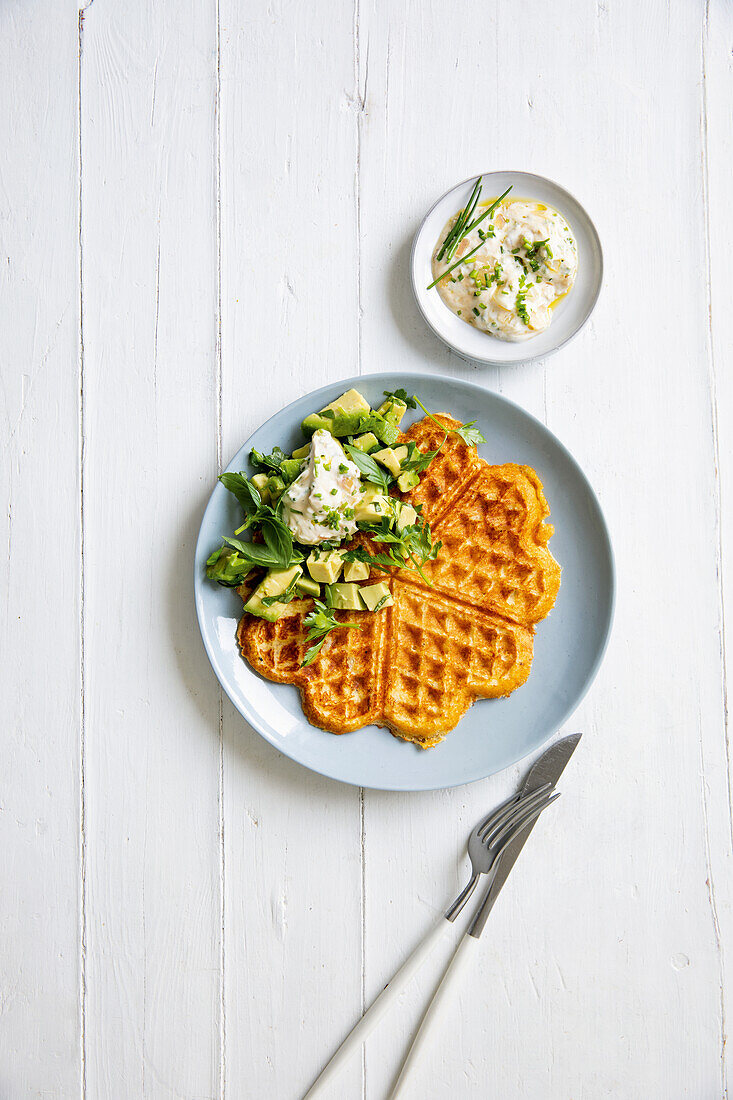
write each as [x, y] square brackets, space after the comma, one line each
[293, 931]
[148, 84]
[601, 970]
[716, 793]
[40, 850]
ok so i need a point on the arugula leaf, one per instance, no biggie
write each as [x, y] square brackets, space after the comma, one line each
[271, 461]
[320, 622]
[245, 492]
[371, 470]
[471, 435]
[401, 395]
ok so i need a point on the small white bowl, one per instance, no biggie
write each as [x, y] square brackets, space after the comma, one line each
[570, 314]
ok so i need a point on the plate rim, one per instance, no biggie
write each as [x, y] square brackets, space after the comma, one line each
[487, 360]
[250, 714]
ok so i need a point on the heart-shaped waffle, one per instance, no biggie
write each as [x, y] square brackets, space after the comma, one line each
[418, 665]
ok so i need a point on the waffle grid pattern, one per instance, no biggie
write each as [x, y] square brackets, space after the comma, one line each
[418, 665]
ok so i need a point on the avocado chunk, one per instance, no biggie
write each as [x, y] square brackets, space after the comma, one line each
[290, 468]
[324, 566]
[387, 458]
[356, 571]
[373, 504]
[386, 432]
[277, 581]
[376, 595]
[406, 517]
[366, 443]
[302, 452]
[308, 587]
[346, 597]
[340, 417]
[275, 486]
[392, 410]
[227, 567]
[401, 453]
[408, 481]
[260, 483]
[271, 612]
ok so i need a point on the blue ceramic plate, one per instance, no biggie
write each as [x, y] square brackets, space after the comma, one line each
[494, 733]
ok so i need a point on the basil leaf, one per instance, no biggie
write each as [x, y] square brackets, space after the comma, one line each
[254, 552]
[245, 492]
[271, 461]
[278, 539]
[371, 470]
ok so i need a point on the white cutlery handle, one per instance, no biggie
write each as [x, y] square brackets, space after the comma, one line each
[379, 1007]
[436, 1012]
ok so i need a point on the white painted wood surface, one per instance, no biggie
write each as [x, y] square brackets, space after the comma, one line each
[184, 913]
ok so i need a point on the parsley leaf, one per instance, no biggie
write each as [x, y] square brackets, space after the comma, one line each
[272, 461]
[470, 434]
[320, 622]
[401, 395]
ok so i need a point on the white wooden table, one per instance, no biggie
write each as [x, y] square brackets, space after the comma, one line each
[186, 186]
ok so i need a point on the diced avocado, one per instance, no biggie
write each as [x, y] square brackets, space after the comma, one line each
[373, 594]
[385, 431]
[340, 417]
[302, 452]
[308, 587]
[324, 566]
[346, 597]
[260, 483]
[356, 571]
[275, 486]
[350, 402]
[271, 612]
[366, 443]
[406, 517]
[388, 459]
[392, 410]
[290, 468]
[227, 567]
[401, 453]
[277, 581]
[408, 481]
[373, 504]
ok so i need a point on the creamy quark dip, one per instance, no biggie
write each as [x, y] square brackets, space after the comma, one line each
[519, 263]
[319, 505]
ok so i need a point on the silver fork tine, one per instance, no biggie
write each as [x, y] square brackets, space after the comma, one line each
[514, 798]
[500, 819]
[521, 821]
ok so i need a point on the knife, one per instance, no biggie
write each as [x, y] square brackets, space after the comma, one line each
[547, 769]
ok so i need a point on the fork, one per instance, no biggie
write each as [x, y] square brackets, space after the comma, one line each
[486, 844]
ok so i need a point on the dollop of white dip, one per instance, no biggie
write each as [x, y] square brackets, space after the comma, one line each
[526, 262]
[319, 505]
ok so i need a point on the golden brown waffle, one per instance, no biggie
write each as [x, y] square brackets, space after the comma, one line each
[415, 667]
[418, 665]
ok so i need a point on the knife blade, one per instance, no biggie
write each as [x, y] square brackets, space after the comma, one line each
[547, 769]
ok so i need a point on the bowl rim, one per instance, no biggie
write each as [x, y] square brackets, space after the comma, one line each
[487, 360]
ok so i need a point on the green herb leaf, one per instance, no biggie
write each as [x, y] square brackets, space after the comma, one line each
[471, 435]
[245, 492]
[403, 396]
[371, 470]
[320, 622]
[272, 461]
[278, 539]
